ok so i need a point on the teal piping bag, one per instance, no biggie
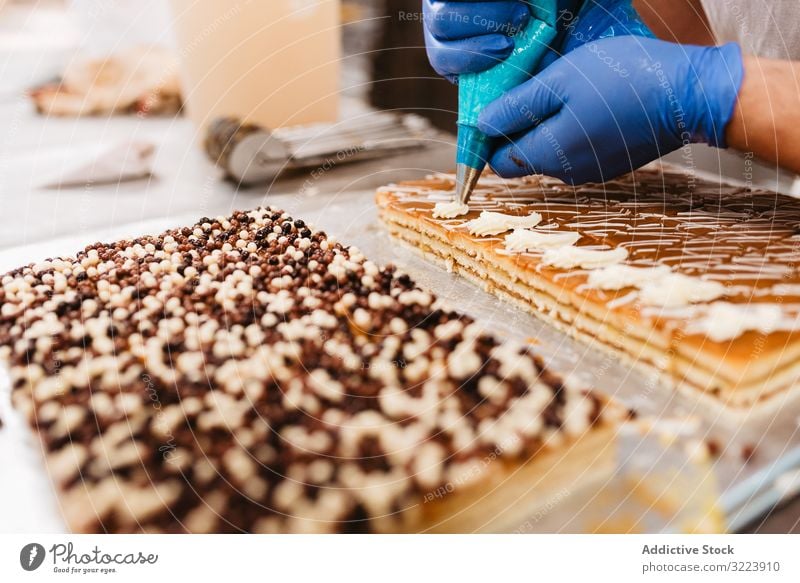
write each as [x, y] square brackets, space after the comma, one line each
[477, 90]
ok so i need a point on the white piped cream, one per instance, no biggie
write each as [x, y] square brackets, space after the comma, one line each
[522, 240]
[491, 223]
[449, 210]
[725, 321]
[675, 290]
[573, 257]
[618, 277]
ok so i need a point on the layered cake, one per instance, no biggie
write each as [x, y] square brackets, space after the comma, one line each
[695, 281]
[249, 374]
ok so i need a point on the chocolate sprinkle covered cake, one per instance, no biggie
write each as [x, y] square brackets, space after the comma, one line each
[248, 373]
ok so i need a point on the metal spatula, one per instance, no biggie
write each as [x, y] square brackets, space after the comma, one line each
[251, 154]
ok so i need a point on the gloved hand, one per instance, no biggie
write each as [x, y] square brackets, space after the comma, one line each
[465, 36]
[613, 105]
[593, 20]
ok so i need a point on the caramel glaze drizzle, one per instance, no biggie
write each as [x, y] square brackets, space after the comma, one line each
[748, 240]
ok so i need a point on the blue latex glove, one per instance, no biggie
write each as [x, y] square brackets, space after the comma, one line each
[467, 37]
[613, 105]
[463, 36]
[593, 20]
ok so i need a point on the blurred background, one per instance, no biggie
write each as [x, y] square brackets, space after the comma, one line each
[296, 43]
[117, 111]
[108, 108]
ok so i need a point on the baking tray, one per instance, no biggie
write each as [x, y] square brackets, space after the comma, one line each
[758, 452]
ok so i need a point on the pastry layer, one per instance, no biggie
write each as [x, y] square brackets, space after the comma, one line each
[246, 373]
[751, 367]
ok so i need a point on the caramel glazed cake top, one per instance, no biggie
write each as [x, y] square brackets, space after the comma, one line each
[709, 263]
[250, 374]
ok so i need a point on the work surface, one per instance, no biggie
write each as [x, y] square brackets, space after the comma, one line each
[184, 185]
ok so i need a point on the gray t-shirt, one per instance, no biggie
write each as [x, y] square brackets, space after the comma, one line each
[765, 28]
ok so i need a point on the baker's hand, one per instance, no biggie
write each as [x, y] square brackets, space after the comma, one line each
[464, 36]
[582, 22]
[467, 37]
[613, 105]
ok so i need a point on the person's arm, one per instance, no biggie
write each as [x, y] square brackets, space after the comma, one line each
[677, 21]
[766, 119]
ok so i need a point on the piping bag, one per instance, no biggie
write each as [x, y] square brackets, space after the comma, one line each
[477, 90]
[595, 20]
